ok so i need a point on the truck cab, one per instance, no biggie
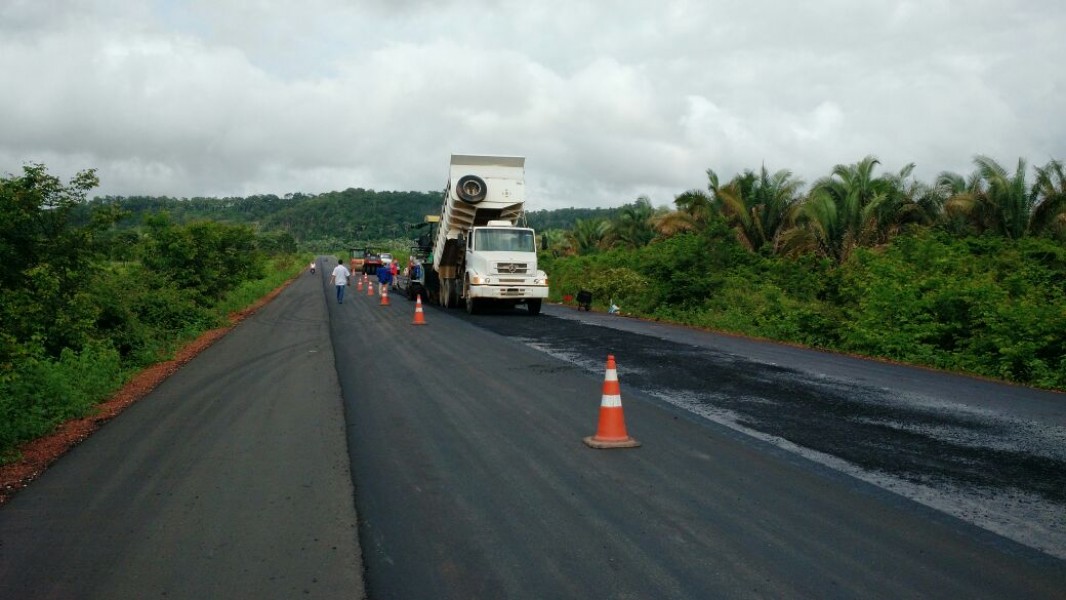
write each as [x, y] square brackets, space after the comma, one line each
[501, 267]
[480, 254]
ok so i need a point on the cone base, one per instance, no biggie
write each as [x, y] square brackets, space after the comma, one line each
[594, 442]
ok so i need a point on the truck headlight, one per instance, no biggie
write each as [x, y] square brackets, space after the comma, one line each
[476, 279]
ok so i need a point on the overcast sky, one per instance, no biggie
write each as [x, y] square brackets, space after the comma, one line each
[607, 100]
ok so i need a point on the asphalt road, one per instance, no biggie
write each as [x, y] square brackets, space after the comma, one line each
[989, 453]
[472, 480]
[230, 480]
[465, 465]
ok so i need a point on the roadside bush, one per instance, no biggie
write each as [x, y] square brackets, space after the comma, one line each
[620, 285]
[980, 305]
[73, 324]
[143, 315]
[43, 392]
[279, 269]
[205, 257]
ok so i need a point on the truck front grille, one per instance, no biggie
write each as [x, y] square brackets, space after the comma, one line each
[512, 268]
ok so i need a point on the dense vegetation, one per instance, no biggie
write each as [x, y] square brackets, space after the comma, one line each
[325, 221]
[330, 221]
[84, 306]
[966, 273]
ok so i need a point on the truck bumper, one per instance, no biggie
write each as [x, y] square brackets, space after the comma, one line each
[509, 292]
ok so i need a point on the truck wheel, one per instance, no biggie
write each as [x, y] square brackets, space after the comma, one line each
[471, 188]
[533, 306]
[471, 305]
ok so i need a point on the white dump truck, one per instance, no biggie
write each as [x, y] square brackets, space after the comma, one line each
[480, 254]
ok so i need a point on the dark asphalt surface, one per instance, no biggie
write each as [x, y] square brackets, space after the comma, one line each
[472, 481]
[229, 480]
[991, 453]
[465, 465]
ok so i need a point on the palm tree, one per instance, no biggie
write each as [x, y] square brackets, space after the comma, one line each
[992, 199]
[670, 223]
[632, 228]
[694, 210]
[556, 242]
[956, 197]
[1006, 204]
[697, 204]
[758, 205]
[587, 236]
[848, 209]
[1049, 214]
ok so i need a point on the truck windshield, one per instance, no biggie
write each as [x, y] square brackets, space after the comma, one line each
[504, 240]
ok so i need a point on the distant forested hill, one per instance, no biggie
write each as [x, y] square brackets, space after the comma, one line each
[564, 218]
[354, 215]
[333, 219]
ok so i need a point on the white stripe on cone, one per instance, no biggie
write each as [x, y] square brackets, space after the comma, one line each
[611, 400]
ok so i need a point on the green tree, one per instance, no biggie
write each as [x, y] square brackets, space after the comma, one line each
[757, 205]
[694, 209]
[697, 204]
[1006, 202]
[633, 227]
[849, 209]
[555, 242]
[210, 258]
[48, 263]
[1049, 213]
[954, 199]
[993, 200]
[588, 236]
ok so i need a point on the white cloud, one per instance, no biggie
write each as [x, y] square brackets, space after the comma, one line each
[235, 97]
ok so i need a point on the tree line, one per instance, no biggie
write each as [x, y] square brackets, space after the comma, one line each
[966, 273]
[84, 304]
[316, 222]
[848, 209]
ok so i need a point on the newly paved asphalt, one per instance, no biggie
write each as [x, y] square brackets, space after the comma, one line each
[230, 480]
[459, 447]
[472, 480]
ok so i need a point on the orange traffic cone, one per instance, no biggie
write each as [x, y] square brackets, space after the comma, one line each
[420, 317]
[384, 295]
[358, 284]
[369, 288]
[611, 431]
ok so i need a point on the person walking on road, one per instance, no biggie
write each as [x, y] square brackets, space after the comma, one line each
[339, 278]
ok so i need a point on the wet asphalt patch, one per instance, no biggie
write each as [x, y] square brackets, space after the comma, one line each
[905, 437]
